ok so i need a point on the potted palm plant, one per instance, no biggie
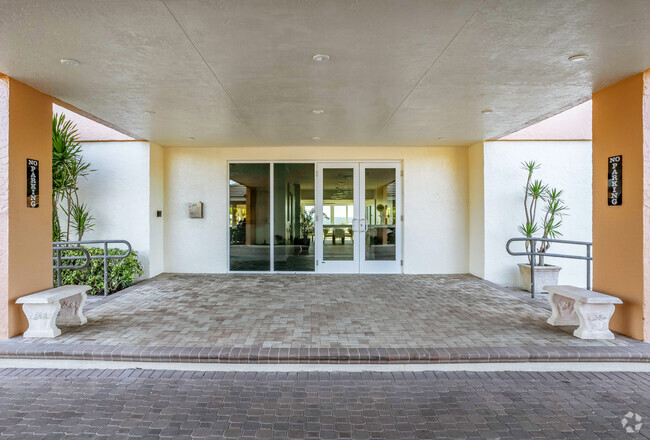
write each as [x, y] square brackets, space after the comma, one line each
[537, 194]
[306, 230]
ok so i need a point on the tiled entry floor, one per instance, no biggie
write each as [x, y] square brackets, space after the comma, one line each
[335, 312]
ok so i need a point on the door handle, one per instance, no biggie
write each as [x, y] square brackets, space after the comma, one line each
[355, 222]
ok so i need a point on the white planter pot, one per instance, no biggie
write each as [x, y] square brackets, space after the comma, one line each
[546, 275]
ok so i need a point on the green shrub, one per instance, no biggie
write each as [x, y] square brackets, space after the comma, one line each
[121, 272]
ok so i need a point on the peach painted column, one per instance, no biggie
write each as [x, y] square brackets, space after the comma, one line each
[621, 234]
[25, 233]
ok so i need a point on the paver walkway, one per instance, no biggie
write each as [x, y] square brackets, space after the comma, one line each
[319, 311]
[147, 404]
[242, 318]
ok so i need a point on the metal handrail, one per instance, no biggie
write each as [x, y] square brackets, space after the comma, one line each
[59, 246]
[531, 254]
[57, 260]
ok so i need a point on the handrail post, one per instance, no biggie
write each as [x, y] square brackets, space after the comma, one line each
[588, 267]
[531, 252]
[58, 269]
[105, 269]
[532, 269]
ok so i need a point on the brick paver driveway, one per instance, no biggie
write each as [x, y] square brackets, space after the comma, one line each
[325, 311]
[147, 404]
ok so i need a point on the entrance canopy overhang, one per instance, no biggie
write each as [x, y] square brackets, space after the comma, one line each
[415, 72]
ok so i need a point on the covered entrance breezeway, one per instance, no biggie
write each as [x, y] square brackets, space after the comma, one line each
[424, 85]
[302, 318]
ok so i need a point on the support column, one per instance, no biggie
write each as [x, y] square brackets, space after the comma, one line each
[621, 232]
[25, 233]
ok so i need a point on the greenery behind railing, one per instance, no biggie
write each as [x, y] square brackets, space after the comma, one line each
[122, 273]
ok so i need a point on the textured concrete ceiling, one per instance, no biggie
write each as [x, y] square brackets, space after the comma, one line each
[402, 72]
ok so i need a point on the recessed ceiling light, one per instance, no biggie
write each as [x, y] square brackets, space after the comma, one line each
[149, 112]
[320, 57]
[69, 62]
[487, 111]
[316, 138]
[578, 58]
[318, 111]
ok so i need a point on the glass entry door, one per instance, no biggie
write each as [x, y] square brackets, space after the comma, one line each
[338, 218]
[381, 217]
[358, 218]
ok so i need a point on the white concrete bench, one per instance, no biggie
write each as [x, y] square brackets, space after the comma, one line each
[589, 310]
[49, 308]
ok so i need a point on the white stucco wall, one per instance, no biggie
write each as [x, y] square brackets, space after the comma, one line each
[436, 211]
[460, 204]
[476, 211]
[564, 165]
[156, 203]
[119, 192]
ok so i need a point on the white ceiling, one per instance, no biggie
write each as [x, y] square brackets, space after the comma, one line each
[402, 72]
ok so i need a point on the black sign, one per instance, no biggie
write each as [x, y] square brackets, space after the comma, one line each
[615, 181]
[32, 183]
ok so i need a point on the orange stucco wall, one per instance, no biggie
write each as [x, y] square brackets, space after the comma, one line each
[25, 233]
[4, 205]
[620, 233]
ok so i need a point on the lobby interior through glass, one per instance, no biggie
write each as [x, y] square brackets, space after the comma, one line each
[292, 206]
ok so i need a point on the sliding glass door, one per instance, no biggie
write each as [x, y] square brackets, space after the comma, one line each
[293, 217]
[287, 211]
[250, 212]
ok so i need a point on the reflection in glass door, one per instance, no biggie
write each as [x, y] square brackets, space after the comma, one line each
[378, 226]
[277, 198]
[293, 218]
[338, 220]
[249, 217]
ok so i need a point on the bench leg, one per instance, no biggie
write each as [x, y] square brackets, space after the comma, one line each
[71, 312]
[42, 320]
[594, 321]
[562, 310]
